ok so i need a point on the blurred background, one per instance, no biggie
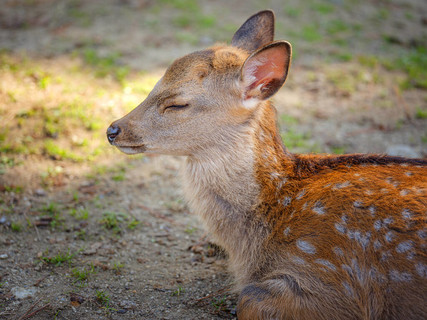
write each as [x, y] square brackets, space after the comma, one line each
[69, 68]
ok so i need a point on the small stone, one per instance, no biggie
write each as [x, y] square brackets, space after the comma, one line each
[4, 256]
[23, 293]
[121, 311]
[40, 193]
[3, 220]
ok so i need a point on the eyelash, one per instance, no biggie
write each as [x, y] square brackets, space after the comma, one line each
[176, 106]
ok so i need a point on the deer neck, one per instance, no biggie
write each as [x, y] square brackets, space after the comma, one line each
[222, 183]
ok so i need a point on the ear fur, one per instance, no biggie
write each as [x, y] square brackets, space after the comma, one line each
[265, 71]
[256, 32]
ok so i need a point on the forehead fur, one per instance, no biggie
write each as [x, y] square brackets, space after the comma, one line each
[219, 59]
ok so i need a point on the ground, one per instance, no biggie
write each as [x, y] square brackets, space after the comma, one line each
[89, 233]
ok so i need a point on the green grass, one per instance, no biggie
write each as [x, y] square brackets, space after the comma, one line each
[16, 227]
[105, 65]
[59, 259]
[180, 290]
[112, 221]
[421, 113]
[103, 298]
[82, 274]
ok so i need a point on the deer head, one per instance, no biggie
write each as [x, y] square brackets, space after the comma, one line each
[205, 97]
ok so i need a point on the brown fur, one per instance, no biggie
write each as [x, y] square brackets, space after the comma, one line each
[308, 236]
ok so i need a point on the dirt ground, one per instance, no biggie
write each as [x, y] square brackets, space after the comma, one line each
[87, 235]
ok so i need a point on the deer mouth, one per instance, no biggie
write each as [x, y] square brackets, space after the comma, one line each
[132, 149]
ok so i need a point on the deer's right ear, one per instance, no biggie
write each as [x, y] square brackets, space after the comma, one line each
[264, 72]
[256, 32]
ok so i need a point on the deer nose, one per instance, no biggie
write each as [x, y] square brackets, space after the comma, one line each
[112, 133]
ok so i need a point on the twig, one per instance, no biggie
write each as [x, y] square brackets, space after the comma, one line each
[35, 227]
[212, 294]
[403, 103]
[24, 317]
[36, 284]
[29, 310]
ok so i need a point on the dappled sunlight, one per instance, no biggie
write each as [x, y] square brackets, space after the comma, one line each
[56, 113]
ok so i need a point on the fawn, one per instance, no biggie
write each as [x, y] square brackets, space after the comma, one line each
[308, 236]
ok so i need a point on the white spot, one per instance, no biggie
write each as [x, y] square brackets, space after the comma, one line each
[347, 269]
[286, 201]
[340, 228]
[326, 263]
[378, 225]
[274, 175]
[344, 218]
[369, 192]
[422, 234]
[385, 255]
[400, 276]
[347, 289]
[298, 260]
[286, 231]
[342, 185]
[406, 214]
[338, 251]
[389, 236]
[300, 195]
[372, 210]
[358, 204]
[408, 173]
[387, 221]
[306, 247]
[377, 245]
[404, 246]
[318, 208]
[421, 269]
[403, 164]
[404, 192]
[357, 270]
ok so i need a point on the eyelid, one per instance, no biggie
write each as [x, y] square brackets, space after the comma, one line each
[176, 106]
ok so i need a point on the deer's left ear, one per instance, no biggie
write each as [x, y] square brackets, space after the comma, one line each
[265, 71]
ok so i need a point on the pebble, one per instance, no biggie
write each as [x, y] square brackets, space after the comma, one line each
[4, 256]
[23, 293]
[40, 193]
[3, 220]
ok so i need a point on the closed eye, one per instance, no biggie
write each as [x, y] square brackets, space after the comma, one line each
[176, 106]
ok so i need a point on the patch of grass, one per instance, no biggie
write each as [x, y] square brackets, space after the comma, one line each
[133, 224]
[219, 303]
[105, 65]
[52, 209]
[292, 11]
[112, 221]
[190, 230]
[60, 153]
[16, 227]
[338, 149]
[103, 298]
[310, 33]
[59, 259]
[117, 267]
[322, 7]
[82, 274]
[414, 64]
[80, 213]
[14, 189]
[336, 26]
[180, 290]
[421, 113]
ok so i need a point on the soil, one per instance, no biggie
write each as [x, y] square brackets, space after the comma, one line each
[140, 253]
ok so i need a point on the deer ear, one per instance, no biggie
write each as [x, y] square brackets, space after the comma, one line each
[265, 71]
[256, 32]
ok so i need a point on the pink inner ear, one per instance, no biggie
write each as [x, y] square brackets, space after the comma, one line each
[265, 67]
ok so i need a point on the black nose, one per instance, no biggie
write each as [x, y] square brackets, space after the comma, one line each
[112, 132]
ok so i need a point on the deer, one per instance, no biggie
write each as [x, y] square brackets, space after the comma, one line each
[308, 236]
